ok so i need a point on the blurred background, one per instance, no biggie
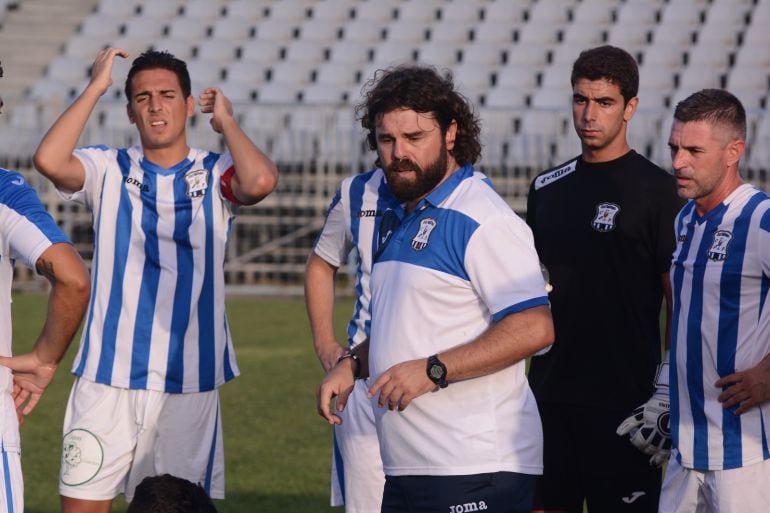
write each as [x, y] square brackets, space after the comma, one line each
[294, 70]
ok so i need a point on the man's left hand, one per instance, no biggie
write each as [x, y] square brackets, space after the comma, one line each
[212, 100]
[31, 376]
[399, 385]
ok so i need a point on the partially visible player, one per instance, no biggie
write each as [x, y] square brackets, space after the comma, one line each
[170, 494]
[602, 227]
[720, 344]
[29, 234]
[352, 222]
[156, 345]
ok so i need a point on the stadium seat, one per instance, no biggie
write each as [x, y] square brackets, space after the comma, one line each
[494, 31]
[118, 8]
[594, 13]
[544, 34]
[663, 56]
[295, 11]
[473, 79]
[655, 78]
[302, 51]
[520, 77]
[631, 38]
[84, 46]
[376, 10]
[217, 50]
[714, 33]
[351, 54]
[188, 29]
[748, 56]
[204, 74]
[164, 9]
[549, 12]
[425, 10]
[389, 52]
[280, 93]
[322, 94]
[682, 13]
[245, 10]
[733, 13]
[246, 72]
[272, 31]
[505, 98]
[635, 13]
[557, 75]
[292, 73]
[133, 45]
[326, 32]
[713, 55]
[438, 54]
[749, 77]
[505, 11]
[467, 11]
[50, 90]
[483, 53]
[450, 31]
[565, 54]
[583, 35]
[694, 78]
[407, 31]
[363, 31]
[555, 97]
[69, 70]
[101, 26]
[532, 54]
[262, 51]
[144, 26]
[232, 29]
[333, 10]
[204, 9]
[239, 92]
[338, 74]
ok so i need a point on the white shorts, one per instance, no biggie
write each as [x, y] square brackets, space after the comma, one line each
[357, 476]
[12, 487]
[743, 490]
[115, 437]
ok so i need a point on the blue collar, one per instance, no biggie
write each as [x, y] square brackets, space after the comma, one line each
[440, 193]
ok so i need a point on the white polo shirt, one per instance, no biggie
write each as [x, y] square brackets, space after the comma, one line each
[461, 260]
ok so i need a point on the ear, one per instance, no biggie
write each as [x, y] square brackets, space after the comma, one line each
[630, 109]
[734, 151]
[130, 113]
[190, 106]
[451, 135]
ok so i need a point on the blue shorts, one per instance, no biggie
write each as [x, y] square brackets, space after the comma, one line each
[499, 492]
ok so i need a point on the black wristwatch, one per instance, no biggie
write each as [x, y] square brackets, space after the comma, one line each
[437, 371]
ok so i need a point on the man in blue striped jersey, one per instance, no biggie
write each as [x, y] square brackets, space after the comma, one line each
[720, 418]
[352, 222]
[29, 234]
[156, 344]
[457, 302]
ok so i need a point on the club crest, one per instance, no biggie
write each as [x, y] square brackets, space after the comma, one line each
[718, 250]
[197, 182]
[420, 240]
[605, 217]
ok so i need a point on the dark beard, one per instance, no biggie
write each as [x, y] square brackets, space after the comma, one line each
[425, 179]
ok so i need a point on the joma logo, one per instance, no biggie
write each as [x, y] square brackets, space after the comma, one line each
[468, 507]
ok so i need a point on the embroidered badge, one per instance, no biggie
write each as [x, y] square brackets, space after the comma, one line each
[197, 182]
[605, 217]
[82, 457]
[420, 240]
[718, 250]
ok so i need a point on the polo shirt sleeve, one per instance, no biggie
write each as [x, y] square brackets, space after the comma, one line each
[503, 266]
[334, 243]
[95, 162]
[764, 242]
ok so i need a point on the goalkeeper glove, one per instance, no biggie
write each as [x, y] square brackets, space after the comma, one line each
[649, 425]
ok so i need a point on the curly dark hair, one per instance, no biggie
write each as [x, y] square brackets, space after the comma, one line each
[154, 59]
[716, 106]
[610, 63]
[423, 90]
[170, 494]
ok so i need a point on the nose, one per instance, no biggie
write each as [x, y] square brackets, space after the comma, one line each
[677, 159]
[589, 111]
[154, 103]
[399, 150]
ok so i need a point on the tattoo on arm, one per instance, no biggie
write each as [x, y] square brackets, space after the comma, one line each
[45, 268]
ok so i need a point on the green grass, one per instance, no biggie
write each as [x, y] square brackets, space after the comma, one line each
[277, 449]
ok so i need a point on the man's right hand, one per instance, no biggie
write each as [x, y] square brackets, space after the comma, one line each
[101, 71]
[338, 384]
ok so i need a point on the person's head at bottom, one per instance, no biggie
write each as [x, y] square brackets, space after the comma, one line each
[170, 494]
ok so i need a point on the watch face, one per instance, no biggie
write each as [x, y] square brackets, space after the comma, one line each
[436, 372]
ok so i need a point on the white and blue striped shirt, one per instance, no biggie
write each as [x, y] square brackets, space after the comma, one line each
[720, 275]
[157, 314]
[353, 221]
[26, 231]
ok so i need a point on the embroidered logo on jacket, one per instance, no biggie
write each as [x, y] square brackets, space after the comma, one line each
[718, 250]
[605, 217]
[197, 182]
[420, 240]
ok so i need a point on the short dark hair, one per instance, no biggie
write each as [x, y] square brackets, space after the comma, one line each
[170, 494]
[423, 90]
[154, 59]
[716, 106]
[610, 63]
